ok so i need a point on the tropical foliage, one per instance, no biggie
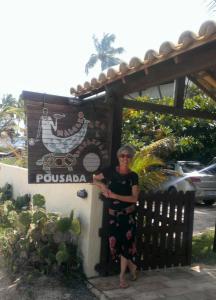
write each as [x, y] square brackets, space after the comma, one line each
[11, 115]
[211, 4]
[11, 112]
[147, 159]
[19, 158]
[34, 240]
[192, 138]
[105, 53]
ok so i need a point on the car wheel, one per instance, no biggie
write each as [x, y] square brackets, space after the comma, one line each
[172, 190]
[209, 202]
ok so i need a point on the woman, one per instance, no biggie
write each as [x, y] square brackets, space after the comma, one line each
[120, 186]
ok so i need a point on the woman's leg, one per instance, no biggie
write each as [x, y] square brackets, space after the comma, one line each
[133, 269]
[123, 266]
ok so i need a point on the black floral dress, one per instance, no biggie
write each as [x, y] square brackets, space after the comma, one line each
[122, 222]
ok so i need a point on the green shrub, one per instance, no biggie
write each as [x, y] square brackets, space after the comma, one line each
[6, 193]
[32, 239]
[38, 200]
[64, 224]
[25, 218]
[22, 202]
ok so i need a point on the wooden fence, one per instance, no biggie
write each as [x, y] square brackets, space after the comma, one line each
[165, 229]
[164, 232]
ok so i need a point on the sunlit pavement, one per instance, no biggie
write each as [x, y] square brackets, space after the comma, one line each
[183, 283]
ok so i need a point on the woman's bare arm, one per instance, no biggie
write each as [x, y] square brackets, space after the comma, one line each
[97, 181]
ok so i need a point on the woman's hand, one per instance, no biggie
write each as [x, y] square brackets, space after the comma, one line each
[105, 191]
[111, 194]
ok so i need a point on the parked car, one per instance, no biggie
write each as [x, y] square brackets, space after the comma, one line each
[212, 166]
[8, 154]
[190, 176]
[19, 143]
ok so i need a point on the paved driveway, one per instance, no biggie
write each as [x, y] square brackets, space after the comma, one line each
[204, 218]
[185, 283]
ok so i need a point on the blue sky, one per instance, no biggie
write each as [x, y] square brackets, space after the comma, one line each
[46, 43]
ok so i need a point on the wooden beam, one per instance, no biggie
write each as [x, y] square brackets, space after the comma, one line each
[47, 98]
[42, 97]
[164, 109]
[179, 92]
[192, 61]
[206, 91]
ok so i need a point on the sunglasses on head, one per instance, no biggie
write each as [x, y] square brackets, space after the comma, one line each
[125, 155]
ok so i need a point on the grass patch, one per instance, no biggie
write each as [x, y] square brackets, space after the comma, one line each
[202, 248]
[4, 149]
[14, 161]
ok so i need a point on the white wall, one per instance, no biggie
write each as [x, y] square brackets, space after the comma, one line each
[63, 198]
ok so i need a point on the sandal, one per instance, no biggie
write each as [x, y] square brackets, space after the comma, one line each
[123, 284]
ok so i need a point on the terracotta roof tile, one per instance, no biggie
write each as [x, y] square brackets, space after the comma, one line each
[187, 38]
[167, 49]
[135, 62]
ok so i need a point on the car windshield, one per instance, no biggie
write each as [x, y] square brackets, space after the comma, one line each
[192, 167]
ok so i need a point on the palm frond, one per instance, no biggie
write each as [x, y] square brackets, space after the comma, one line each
[109, 62]
[91, 62]
[151, 181]
[142, 163]
[160, 148]
[211, 5]
[96, 43]
[146, 158]
[10, 110]
[114, 51]
[148, 180]
[107, 40]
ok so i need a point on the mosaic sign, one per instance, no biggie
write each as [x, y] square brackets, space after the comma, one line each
[67, 143]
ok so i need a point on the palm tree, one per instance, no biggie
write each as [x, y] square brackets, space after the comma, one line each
[105, 53]
[211, 5]
[147, 161]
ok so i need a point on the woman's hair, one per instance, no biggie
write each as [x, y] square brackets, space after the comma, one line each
[130, 149]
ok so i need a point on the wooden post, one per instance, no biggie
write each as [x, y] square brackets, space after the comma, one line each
[117, 126]
[179, 91]
[105, 267]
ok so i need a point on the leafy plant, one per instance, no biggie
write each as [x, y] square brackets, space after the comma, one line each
[6, 192]
[38, 200]
[22, 202]
[25, 218]
[64, 224]
[202, 248]
[75, 226]
[146, 158]
[193, 139]
[33, 239]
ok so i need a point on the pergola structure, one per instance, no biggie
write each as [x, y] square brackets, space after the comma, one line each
[194, 57]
